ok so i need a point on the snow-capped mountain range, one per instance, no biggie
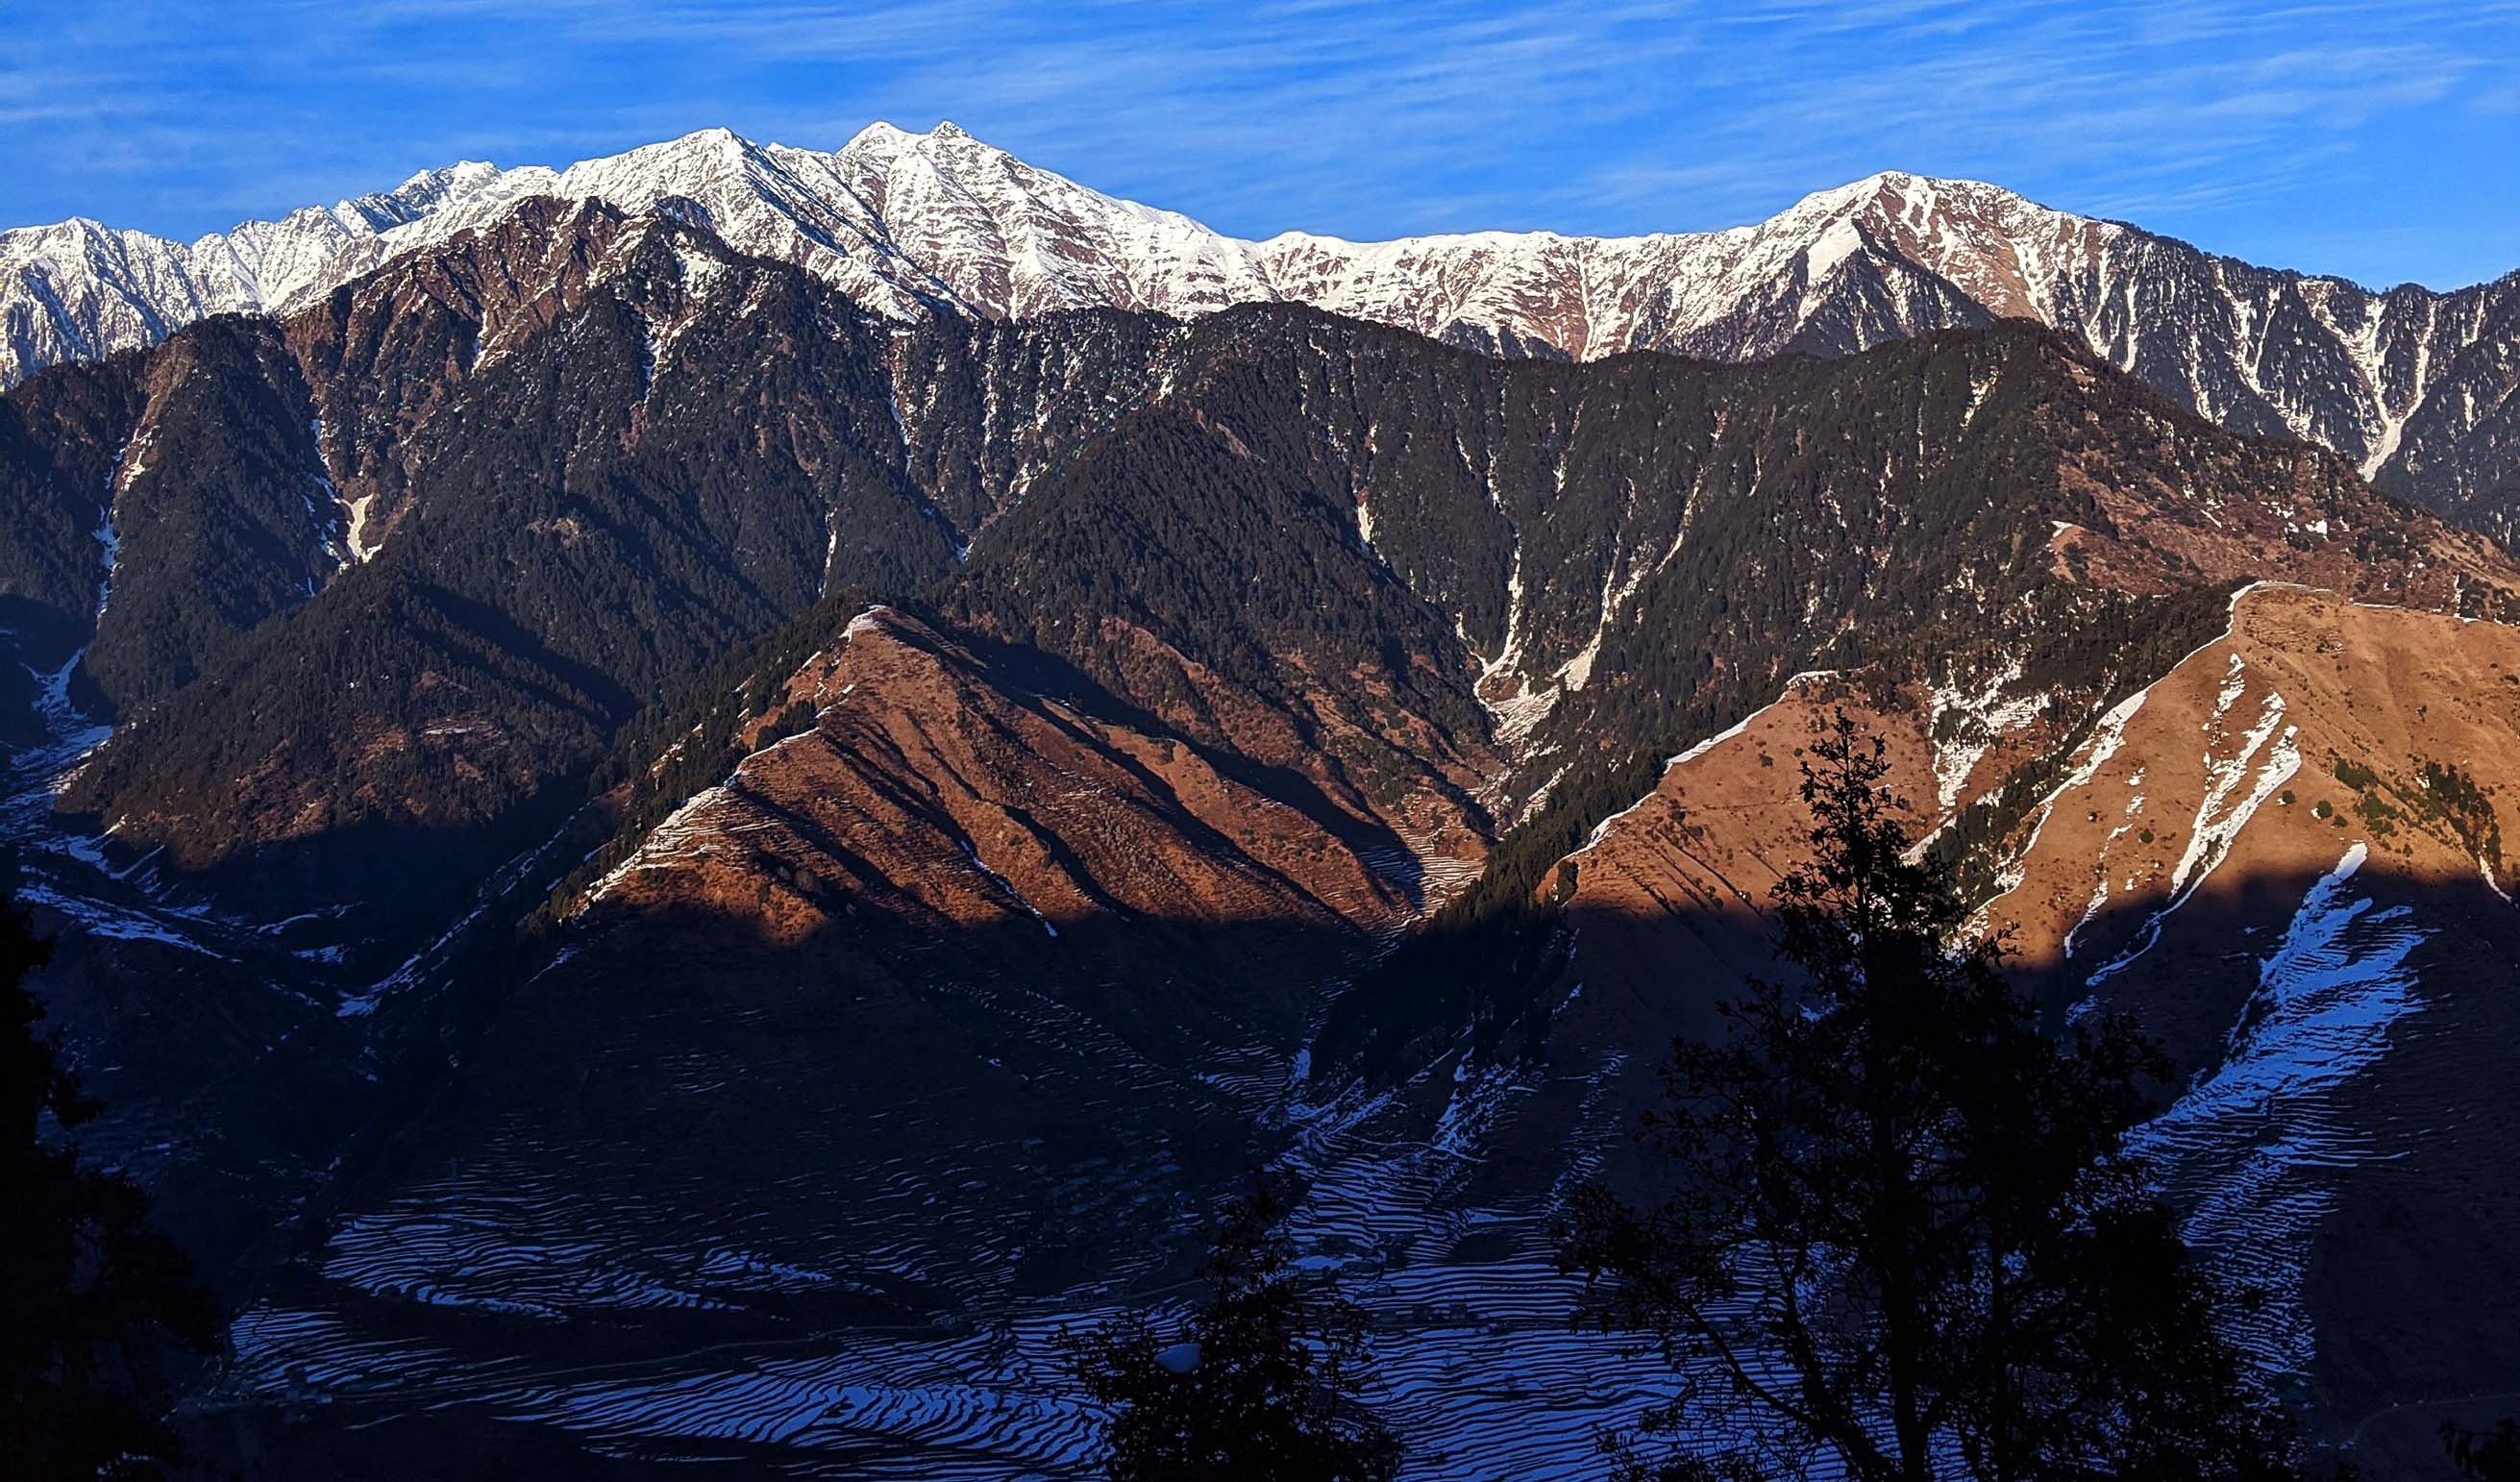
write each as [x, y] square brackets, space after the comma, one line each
[2413, 386]
[1006, 757]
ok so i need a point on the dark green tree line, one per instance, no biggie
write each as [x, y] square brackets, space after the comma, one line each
[1260, 1383]
[98, 1301]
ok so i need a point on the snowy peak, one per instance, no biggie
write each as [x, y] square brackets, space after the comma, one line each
[1003, 239]
[2006, 252]
[877, 137]
[425, 192]
[2416, 388]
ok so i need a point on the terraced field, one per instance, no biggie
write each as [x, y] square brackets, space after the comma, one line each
[1472, 1347]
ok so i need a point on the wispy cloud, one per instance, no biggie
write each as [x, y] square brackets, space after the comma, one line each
[2252, 127]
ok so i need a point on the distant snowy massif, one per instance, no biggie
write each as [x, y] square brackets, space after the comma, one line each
[2412, 386]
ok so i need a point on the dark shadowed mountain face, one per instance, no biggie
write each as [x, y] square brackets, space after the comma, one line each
[687, 868]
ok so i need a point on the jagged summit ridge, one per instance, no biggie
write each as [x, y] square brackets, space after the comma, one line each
[902, 220]
[2414, 388]
[81, 289]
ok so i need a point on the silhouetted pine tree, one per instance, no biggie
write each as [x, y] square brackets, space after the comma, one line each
[1260, 1386]
[1904, 1238]
[2488, 1455]
[98, 1299]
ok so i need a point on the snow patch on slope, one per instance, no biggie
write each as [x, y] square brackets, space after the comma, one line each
[2252, 1144]
[1967, 725]
[2224, 811]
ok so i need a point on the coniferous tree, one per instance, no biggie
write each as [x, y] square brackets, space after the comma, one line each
[98, 1299]
[2488, 1455]
[1904, 1238]
[1259, 1386]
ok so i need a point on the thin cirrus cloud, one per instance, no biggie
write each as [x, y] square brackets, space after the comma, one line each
[2374, 141]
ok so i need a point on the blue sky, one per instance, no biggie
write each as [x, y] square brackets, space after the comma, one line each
[2377, 141]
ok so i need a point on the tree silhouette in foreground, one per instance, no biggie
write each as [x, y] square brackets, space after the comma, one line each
[2488, 1455]
[1904, 1238]
[98, 1299]
[1260, 1385]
